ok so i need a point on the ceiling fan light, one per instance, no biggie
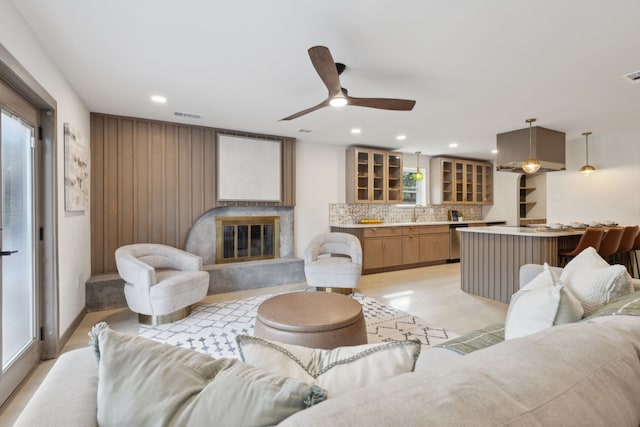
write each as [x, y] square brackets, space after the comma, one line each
[338, 101]
[531, 166]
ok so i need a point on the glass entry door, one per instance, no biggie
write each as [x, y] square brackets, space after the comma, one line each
[17, 254]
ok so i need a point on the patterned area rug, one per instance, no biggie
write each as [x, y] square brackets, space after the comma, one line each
[212, 328]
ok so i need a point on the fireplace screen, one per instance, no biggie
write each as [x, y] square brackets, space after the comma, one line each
[247, 238]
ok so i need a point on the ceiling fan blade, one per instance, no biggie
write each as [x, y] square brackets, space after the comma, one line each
[326, 68]
[307, 111]
[382, 103]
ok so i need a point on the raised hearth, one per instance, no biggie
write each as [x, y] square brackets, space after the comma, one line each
[106, 291]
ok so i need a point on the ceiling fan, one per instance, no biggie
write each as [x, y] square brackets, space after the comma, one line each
[329, 72]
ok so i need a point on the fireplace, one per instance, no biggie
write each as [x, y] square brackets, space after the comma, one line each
[247, 238]
[204, 237]
[247, 231]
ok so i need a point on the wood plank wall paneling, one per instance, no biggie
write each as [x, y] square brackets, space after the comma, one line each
[151, 180]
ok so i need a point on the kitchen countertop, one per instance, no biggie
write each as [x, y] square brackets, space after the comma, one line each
[407, 224]
[523, 231]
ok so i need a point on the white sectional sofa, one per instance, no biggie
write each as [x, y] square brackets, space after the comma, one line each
[580, 374]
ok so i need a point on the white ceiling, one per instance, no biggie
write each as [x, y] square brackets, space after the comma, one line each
[475, 68]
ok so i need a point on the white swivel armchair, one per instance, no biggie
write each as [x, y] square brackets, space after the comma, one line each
[333, 260]
[161, 282]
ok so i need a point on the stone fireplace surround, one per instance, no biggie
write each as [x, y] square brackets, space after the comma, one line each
[201, 239]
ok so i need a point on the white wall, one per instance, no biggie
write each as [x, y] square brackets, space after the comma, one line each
[505, 198]
[320, 180]
[613, 192]
[74, 243]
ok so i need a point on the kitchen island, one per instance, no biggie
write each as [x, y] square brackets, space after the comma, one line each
[491, 257]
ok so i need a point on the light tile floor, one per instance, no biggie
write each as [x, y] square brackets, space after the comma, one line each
[431, 293]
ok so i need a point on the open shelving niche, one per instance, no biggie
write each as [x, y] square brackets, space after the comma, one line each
[525, 201]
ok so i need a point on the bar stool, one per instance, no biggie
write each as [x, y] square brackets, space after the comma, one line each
[636, 248]
[591, 237]
[610, 243]
[626, 245]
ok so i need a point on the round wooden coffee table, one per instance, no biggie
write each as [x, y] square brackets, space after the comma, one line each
[312, 319]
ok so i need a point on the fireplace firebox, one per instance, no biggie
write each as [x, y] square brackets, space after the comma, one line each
[247, 238]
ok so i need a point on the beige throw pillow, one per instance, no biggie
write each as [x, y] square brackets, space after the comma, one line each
[594, 282]
[339, 370]
[145, 383]
[540, 304]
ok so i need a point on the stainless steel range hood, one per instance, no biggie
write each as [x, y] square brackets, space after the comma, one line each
[547, 147]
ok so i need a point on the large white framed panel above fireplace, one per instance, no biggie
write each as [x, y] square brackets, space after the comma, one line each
[249, 169]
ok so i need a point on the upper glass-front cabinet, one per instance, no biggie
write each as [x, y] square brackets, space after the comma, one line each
[461, 181]
[373, 176]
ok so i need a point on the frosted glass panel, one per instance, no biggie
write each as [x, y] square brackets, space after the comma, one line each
[17, 225]
[249, 169]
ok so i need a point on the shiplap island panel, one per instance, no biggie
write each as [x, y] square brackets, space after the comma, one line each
[491, 257]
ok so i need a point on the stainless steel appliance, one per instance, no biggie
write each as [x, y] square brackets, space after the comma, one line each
[454, 242]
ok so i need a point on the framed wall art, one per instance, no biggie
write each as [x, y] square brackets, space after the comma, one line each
[76, 171]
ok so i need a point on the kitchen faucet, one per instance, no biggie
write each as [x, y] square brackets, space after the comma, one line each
[414, 218]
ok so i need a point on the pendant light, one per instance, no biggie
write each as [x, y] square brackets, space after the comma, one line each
[587, 169]
[418, 176]
[531, 165]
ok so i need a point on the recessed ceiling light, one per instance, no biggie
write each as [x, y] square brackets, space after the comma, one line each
[494, 151]
[355, 130]
[401, 137]
[453, 145]
[159, 99]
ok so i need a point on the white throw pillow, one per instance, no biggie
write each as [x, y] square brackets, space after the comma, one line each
[594, 282]
[146, 383]
[540, 304]
[339, 370]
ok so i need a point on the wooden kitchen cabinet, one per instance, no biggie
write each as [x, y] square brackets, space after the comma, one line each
[373, 176]
[382, 247]
[434, 247]
[410, 245]
[461, 181]
[394, 177]
[483, 183]
[403, 246]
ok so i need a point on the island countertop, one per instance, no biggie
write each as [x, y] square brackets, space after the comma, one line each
[523, 231]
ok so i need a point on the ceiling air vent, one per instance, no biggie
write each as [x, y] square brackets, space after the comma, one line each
[188, 115]
[634, 77]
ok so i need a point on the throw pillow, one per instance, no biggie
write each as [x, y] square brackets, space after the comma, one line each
[594, 282]
[145, 383]
[540, 304]
[628, 305]
[339, 370]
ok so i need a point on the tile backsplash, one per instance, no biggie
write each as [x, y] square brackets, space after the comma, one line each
[345, 213]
